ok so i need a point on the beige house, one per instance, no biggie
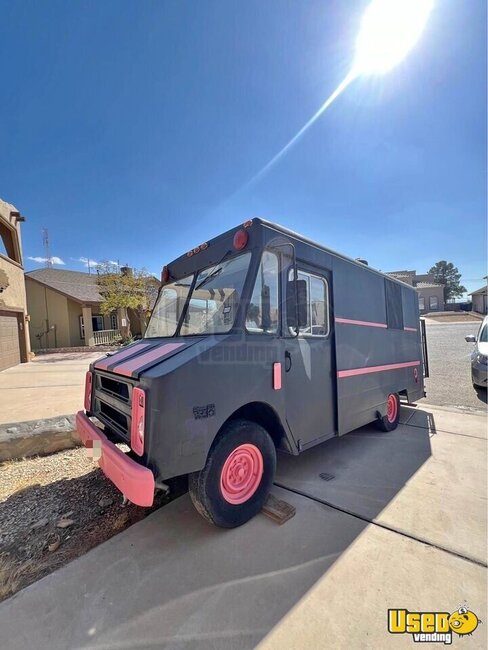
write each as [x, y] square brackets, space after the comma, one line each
[14, 326]
[430, 294]
[479, 298]
[64, 307]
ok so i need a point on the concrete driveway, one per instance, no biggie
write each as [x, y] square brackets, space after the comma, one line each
[449, 383]
[50, 385]
[400, 523]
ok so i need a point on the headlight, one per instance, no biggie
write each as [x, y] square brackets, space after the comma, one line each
[481, 358]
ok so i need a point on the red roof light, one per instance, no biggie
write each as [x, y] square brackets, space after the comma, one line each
[240, 240]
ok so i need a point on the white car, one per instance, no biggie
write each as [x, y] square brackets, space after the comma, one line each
[479, 356]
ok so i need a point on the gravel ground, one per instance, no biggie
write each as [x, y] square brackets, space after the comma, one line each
[54, 509]
[449, 383]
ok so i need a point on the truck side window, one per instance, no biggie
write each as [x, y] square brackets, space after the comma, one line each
[318, 305]
[262, 313]
[394, 305]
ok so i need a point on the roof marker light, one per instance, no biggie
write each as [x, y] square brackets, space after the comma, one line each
[240, 240]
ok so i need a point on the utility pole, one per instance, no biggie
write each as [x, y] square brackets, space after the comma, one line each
[45, 241]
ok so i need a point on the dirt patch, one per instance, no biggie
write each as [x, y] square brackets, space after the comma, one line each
[56, 508]
[455, 317]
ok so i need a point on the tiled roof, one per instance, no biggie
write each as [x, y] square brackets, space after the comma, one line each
[427, 285]
[82, 287]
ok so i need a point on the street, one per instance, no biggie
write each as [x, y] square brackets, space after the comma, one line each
[449, 383]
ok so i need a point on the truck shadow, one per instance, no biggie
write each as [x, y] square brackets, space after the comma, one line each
[364, 470]
[481, 394]
[175, 581]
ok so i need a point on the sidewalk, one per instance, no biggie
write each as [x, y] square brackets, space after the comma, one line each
[402, 523]
[49, 386]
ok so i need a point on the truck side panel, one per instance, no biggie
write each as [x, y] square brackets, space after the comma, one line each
[373, 359]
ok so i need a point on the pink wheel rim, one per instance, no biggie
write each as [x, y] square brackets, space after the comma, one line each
[391, 408]
[241, 474]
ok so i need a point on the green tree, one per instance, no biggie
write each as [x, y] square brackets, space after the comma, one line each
[447, 274]
[126, 288]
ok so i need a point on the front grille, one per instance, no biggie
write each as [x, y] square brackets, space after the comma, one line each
[115, 387]
[115, 417]
[112, 404]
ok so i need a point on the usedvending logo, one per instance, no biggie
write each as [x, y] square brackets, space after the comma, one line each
[433, 627]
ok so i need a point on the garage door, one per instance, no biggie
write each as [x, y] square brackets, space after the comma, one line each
[9, 340]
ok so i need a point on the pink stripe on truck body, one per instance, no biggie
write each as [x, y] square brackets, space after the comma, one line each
[369, 369]
[104, 363]
[141, 360]
[363, 323]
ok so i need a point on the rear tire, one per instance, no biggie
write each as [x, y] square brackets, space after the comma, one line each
[390, 420]
[237, 477]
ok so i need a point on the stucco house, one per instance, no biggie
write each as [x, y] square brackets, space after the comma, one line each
[479, 299]
[430, 294]
[14, 326]
[64, 307]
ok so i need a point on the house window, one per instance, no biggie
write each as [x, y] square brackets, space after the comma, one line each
[262, 312]
[114, 322]
[7, 245]
[433, 302]
[317, 305]
[421, 303]
[97, 325]
[394, 305]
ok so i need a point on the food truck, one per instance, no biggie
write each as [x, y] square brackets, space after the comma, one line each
[260, 341]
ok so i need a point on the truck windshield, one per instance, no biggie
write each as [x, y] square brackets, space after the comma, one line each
[212, 305]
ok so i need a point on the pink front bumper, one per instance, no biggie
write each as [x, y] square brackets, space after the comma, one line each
[133, 480]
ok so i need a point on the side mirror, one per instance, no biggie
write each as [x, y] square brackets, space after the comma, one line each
[296, 304]
[302, 303]
[470, 338]
[291, 305]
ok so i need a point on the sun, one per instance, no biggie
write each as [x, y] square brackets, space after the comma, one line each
[389, 30]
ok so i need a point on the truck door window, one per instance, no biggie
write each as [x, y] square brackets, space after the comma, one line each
[262, 313]
[216, 296]
[317, 305]
[169, 308]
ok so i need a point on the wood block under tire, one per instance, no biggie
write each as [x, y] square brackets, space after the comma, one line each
[277, 510]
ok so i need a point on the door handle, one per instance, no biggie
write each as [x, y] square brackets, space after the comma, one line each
[287, 361]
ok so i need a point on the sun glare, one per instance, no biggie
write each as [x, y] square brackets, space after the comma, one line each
[389, 30]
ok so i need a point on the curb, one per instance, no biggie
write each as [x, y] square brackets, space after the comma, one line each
[460, 410]
[37, 437]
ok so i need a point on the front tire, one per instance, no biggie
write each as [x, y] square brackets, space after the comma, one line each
[390, 420]
[237, 477]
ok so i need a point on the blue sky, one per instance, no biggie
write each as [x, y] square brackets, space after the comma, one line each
[129, 129]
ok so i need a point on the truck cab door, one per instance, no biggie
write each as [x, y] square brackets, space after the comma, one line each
[309, 369]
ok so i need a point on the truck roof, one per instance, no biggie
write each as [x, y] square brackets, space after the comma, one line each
[311, 242]
[291, 233]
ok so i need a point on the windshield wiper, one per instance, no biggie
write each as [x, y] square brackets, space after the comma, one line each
[212, 275]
